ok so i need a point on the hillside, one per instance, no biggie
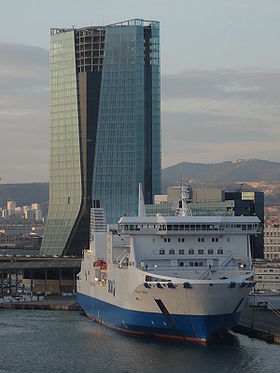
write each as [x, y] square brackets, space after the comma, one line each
[24, 194]
[253, 170]
[254, 174]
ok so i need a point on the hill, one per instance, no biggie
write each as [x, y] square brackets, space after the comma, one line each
[24, 194]
[253, 170]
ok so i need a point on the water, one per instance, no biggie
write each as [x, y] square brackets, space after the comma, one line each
[49, 341]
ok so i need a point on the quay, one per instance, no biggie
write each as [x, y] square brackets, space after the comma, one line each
[260, 323]
[52, 302]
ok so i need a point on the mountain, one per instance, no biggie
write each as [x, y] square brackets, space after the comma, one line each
[24, 194]
[253, 170]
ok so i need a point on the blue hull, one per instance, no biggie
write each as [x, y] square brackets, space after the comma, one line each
[184, 327]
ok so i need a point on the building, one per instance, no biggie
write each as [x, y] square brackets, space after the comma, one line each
[250, 203]
[11, 205]
[267, 275]
[272, 242]
[105, 127]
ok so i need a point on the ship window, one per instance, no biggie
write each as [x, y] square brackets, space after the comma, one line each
[200, 251]
[203, 227]
[191, 264]
[217, 239]
[228, 239]
[198, 239]
[210, 251]
[187, 227]
[200, 264]
[132, 227]
[220, 251]
[161, 252]
[181, 264]
[169, 227]
[179, 239]
[213, 239]
[181, 227]
[164, 239]
[191, 251]
[183, 240]
[196, 264]
[171, 252]
[168, 239]
[259, 276]
[181, 251]
[198, 227]
[192, 227]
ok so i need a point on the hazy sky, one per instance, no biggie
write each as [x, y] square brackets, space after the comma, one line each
[220, 77]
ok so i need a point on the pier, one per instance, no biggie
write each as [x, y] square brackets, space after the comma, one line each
[55, 303]
[260, 323]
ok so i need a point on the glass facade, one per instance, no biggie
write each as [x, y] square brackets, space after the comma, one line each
[128, 133]
[104, 127]
[65, 170]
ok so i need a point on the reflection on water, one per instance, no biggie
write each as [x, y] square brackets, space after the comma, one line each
[49, 341]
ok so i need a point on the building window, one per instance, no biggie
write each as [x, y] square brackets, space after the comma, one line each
[210, 251]
[161, 252]
[181, 251]
[171, 252]
[200, 251]
[191, 251]
[220, 251]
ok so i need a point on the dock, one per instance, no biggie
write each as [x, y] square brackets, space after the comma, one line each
[260, 323]
[55, 303]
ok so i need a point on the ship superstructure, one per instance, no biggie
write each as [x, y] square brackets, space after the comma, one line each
[183, 277]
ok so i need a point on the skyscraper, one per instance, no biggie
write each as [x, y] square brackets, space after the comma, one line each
[104, 127]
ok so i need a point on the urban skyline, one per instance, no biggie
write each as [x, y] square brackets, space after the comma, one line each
[219, 95]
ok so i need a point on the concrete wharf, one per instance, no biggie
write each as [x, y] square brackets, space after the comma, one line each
[259, 323]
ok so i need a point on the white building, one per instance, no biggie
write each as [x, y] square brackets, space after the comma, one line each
[272, 242]
[11, 205]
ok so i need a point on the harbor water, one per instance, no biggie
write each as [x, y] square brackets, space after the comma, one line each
[51, 341]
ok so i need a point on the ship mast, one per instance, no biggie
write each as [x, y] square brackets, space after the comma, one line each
[185, 200]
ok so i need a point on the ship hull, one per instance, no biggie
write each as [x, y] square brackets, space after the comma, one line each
[193, 328]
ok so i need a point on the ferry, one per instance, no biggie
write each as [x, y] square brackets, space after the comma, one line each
[178, 277]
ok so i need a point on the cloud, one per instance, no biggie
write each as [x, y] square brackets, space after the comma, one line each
[207, 115]
[210, 116]
[24, 124]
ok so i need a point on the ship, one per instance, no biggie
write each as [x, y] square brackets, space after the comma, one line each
[179, 277]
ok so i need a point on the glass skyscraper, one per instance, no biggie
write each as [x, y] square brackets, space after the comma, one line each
[105, 127]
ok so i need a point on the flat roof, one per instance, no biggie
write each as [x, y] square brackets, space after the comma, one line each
[189, 219]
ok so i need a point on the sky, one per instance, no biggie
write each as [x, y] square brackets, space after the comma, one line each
[220, 65]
